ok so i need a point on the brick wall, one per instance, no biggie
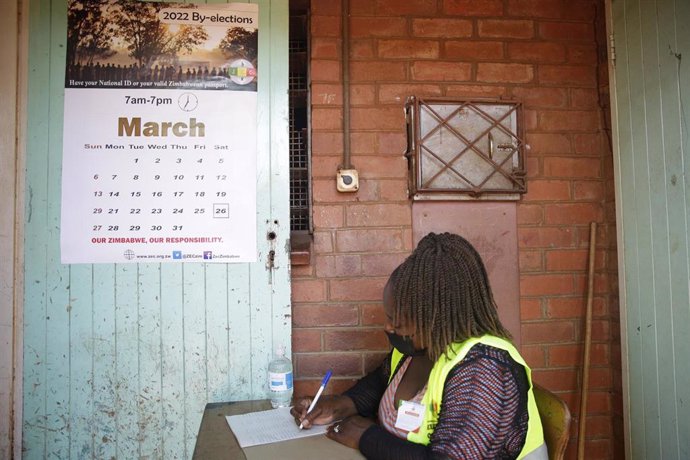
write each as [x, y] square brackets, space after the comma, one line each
[545, 53]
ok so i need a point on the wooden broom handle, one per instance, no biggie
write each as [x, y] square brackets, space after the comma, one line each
[582, 421]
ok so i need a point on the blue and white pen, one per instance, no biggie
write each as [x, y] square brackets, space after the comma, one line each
[324, 382]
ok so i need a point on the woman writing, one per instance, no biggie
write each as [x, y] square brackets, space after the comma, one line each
[453, 386]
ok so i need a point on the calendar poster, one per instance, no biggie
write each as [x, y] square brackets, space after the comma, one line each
[159, 149]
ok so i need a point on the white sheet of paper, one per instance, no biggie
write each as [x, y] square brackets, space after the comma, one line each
[268, 426]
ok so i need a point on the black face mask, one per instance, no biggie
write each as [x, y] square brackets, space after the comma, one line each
[403, 343]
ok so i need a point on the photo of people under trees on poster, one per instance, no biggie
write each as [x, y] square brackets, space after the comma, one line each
[136, 44]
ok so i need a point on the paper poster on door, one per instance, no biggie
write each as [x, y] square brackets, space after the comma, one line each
[159, 149]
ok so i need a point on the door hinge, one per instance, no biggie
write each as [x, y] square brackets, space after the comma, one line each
[612, 49]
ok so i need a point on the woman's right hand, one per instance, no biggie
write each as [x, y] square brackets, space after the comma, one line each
[327, 410]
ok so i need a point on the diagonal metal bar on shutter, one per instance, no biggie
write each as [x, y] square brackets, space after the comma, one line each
[465, 149]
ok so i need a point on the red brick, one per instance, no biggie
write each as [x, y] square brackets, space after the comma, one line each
[323, 243]
[530, 214]
[378, 27]
[541, 97]
[535, 285]
[381, 264]
[325, 191]
[568, 75]
[545, 237]
[362, 143]
[326, 94]
[536, 8]
[366, 289]
[324, 166]
[548, 190]
[301, 271]
[569, 355]
[573, 307]
[326, 7]
[325, 26]
[530, 261]
[326, 143]
[441, 71]
[589, 190]
[324, 70]
[533, 167]
[582, 54]
[326, 118]
[530, 309]
[393, 190]
[442, 28]
[598, 402]
[391, 143]
[512, 73]
[572, 120]
[573, 213]
[329, 266]
[325, 48]
[361, 49]
[546, 143]
[505, 28]
[600, 377]
[587, 143]
[308, 290]
[385, 118]
[408, 49]
[529, 119]
[584, 98]
[372, 314]
[378, 215]
[319, 316]
[601, 331]
[572, 167]
[570, 31]
[316, 365]
[473, 7]
[408, 7]
[536, 51]
[378, 167]
[362, 7]
[548, 332]
[534, 356]
[305, 340]
[398, 93]
[374, 360]
[475, 91]
[362, 94]
[377, 71]
[599, 427]
[556, 380]
[328, 216]
[473, 50]
[367, 339]
[572, 259]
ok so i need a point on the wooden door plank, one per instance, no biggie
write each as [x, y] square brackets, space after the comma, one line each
[172, 361]
[104, 426]
[36, 224]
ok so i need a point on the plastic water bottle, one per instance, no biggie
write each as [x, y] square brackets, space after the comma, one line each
[280, 379]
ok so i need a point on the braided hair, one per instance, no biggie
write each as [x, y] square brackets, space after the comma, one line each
[443, 289]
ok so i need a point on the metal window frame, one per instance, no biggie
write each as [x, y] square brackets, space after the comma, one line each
[419, 190]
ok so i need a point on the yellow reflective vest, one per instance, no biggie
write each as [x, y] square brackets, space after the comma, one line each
[534, 447]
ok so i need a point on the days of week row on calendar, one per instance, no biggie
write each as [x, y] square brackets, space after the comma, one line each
[166, 146]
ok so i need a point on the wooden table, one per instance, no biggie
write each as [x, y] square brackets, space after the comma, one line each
[217, 442]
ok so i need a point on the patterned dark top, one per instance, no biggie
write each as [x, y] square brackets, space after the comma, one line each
[483, 414]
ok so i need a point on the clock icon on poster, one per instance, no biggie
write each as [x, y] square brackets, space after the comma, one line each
[188, 102]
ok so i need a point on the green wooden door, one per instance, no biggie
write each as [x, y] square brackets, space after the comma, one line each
[652, 101]
[120, 359]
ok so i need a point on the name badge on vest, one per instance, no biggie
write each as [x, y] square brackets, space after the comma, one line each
[410, 416]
